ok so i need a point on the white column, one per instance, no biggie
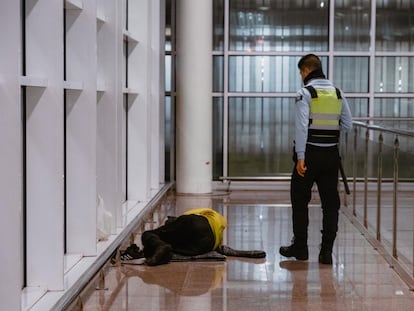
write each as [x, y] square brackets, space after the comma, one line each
[11, 160]
[185, 202]
[194, 107]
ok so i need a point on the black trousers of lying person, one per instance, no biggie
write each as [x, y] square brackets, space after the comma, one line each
[188, 235]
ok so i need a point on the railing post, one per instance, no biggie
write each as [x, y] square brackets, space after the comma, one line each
[354, 172]
[345, 198]
[379, 185]
[101, 281]
[394, 203]
[366, 179]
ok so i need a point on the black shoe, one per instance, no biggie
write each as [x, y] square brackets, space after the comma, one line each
[325, 256]
[300, 253]
[131, 253]
[162, 255]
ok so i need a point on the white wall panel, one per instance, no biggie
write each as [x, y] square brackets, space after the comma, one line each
[139, 107]
[109, 109]
[64, 125]
[44, 121]
[157, 99]
[81, 64]
[11, 159]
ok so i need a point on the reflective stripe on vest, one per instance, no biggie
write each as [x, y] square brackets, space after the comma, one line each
[325, 110]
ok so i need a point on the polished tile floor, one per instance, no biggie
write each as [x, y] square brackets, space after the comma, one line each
[360, 279]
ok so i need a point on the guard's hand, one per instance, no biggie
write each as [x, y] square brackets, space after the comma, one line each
[301, 167]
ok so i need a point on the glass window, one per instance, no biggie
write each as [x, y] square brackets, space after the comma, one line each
[265, 73]
[396, 113]
[352, 74]
[168, 66]
[394, 108]
[168, 25]
[218, 74]
[217, 137]
[282, 25]
[168, 136]
[218, 25]
[394, 25]
[352, 25]
[394, 74]
[359, 107]
[267, 39]
[260, 136]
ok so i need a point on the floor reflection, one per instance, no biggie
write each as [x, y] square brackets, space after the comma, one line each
[187, 279]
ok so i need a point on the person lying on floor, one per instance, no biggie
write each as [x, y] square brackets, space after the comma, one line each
[196, 232]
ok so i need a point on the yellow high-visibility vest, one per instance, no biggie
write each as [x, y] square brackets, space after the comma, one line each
[324, 116]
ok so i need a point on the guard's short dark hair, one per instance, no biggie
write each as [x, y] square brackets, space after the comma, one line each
[310, 61]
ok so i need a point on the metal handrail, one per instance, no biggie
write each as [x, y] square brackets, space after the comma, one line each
[384, 129]
[406, 273]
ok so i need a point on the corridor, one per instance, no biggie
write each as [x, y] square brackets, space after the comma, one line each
[359, 279]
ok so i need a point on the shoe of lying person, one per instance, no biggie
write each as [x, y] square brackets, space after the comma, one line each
[133, 255]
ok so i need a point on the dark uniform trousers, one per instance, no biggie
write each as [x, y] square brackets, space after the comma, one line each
[187, 235]
[322, 168]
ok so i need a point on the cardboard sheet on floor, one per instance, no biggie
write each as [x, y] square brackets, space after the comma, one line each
[210, 256]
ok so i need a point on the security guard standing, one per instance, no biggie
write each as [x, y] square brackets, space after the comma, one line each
[321, 112]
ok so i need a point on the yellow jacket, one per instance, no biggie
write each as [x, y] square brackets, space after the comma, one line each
[217, 222]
